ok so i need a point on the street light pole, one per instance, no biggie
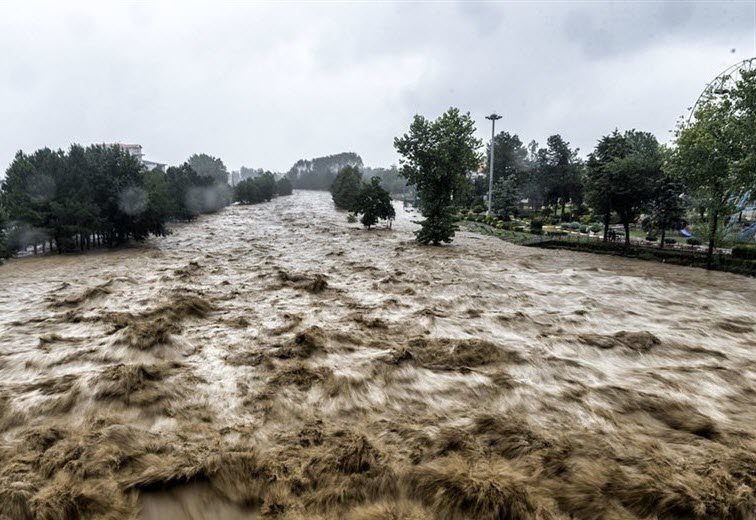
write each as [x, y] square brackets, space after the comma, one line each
[493, 117]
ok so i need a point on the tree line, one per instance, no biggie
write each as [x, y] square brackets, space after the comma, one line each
[711, 163]
[261, 188]
[101, 195]
[320, 173]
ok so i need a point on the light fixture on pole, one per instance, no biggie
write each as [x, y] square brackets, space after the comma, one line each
[493, 117]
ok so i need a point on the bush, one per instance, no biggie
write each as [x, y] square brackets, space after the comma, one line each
[584, 229]
[536, 225]
[565, 226]
[566, 216]
[478, 208]
[500, 225]
[574, 225]
[745, 251]
[652, 238]
[670, 241]
[351, 218]
[595, 228]
[585, 219]
[693, 241]
[519, 229]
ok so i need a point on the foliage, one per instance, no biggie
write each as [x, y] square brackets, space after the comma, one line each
[622, 175]
[715, 154]
[94, 194]
[253, 190]
[747, 251]
[436, 158]
[209, 166]
[319, 173]
[666, 208]
[556, 174]
[192, 194]
[374, 203]
[505, 197]
[283, 187]
[247, 192]
[346, 187]
[4, 249]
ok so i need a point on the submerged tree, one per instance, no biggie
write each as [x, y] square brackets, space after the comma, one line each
[346, 187]
[436, 157]
[283, 187]
[374, 203]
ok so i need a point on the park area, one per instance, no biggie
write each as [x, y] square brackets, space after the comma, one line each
[226, 371]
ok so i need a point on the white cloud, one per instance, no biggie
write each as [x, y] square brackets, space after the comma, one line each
[266, 84]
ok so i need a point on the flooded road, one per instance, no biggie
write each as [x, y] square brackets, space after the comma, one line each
[275, 361]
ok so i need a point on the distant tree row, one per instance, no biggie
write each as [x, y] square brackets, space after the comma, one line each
[319, 173]
[101, 195]
[261, 188]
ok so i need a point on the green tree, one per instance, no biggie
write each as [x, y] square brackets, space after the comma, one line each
[436, 158]
[5, 251]
[283, 187]
[374, 203]
[247, 192]
[345, 188]
[666, 208]
[266, 184]
[209, 166]
[715, 155]
[506, 197]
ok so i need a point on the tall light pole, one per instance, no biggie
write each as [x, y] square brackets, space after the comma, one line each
[493, 117]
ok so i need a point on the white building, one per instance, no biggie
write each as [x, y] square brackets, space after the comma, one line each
[136, 151]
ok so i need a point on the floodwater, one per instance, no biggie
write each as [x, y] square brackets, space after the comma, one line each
[274, 361]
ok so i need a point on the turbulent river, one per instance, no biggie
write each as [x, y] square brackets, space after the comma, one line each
[274, 361]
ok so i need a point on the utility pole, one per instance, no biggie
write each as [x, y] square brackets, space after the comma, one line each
[493, 117]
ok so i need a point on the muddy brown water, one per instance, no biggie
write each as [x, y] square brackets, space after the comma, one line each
[276, 361]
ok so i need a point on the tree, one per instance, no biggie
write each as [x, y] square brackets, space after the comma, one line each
[283, 186]
[247, 192]
[715, 155]
[209, 166]
[666, 208]
[4, 249]
[505, 198]
[266, 183]
[436, 158]
[374, 203]
[345, 188]
[622, 176]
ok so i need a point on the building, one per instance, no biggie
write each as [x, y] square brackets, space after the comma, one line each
[135, 150]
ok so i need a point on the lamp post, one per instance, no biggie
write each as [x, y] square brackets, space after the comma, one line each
[493, 117]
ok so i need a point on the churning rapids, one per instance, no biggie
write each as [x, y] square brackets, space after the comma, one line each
[274, 361]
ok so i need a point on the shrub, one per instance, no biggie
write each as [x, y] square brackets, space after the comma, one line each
[566, 216]
[595, 228]
[351, 218]
[693, 241]
[519, 229]
[746, 251]
[585, 219]
[478, 208]
[584, 229]
[670, 241]
[536, 225]
[565, 226]
[499, 225]
[652, 238]
[574, 225]
[554, 221]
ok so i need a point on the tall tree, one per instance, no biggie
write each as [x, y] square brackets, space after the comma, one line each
[436, 158]
[209, 166]
[715, 155]
[346, 187]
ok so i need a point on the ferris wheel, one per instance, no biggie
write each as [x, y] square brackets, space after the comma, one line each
[723, 83]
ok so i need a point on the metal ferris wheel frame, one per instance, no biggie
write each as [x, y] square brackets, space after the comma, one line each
[723, 82]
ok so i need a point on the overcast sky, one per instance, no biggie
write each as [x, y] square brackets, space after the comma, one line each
[264, 84]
